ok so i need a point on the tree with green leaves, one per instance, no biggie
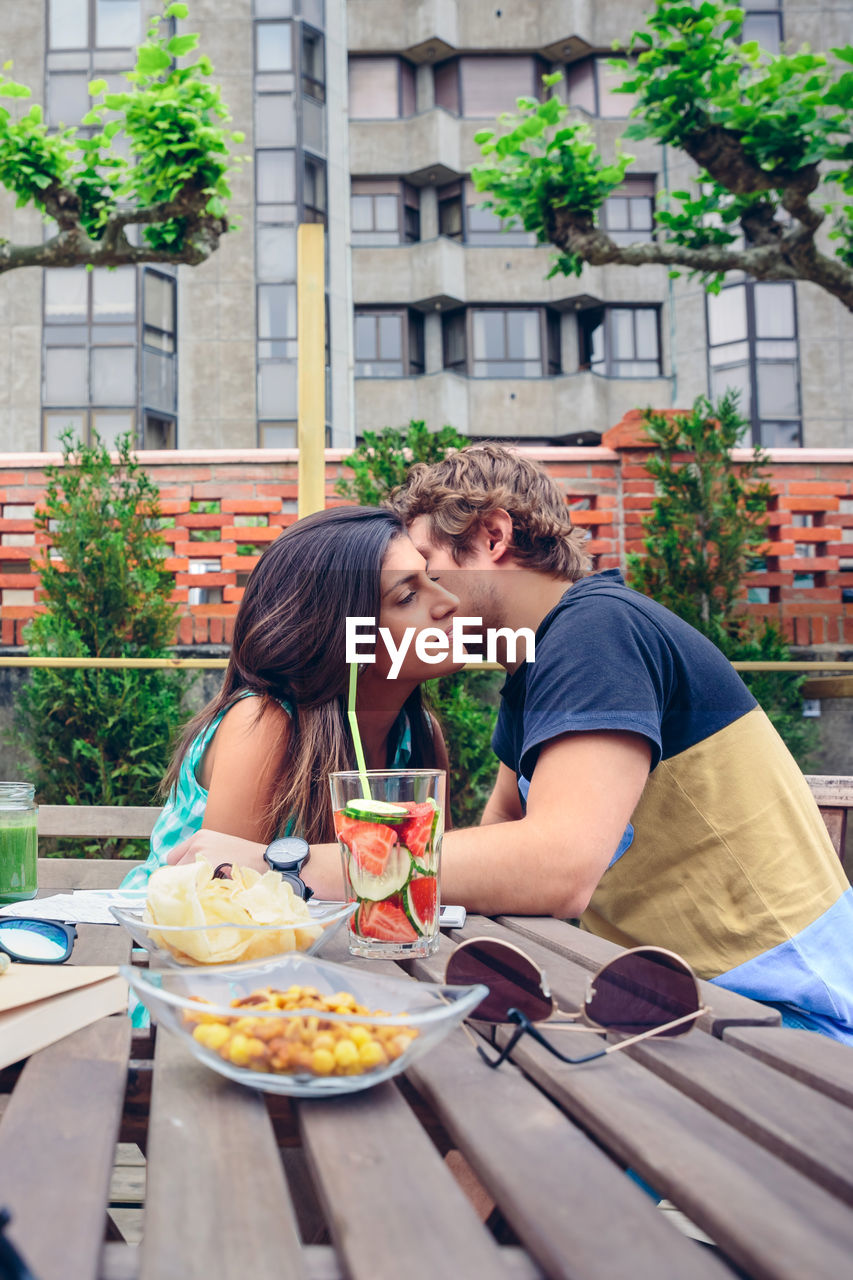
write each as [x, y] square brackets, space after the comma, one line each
[708, 516]
[702, 535]
[155, 157]
[770, 134]
[382, 461]
[100, 736]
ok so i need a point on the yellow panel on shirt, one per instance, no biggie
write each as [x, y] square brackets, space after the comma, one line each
[730, 855]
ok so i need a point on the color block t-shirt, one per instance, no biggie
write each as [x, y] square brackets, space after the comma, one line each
[731, 864]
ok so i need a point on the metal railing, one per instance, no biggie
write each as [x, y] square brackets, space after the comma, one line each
[840, 686]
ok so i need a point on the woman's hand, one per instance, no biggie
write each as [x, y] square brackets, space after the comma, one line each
[216, 848]
[323, 873]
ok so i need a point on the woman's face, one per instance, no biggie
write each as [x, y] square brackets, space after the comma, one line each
[413, 600]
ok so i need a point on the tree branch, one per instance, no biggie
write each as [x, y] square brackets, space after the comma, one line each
[792, 255]
[72, 247]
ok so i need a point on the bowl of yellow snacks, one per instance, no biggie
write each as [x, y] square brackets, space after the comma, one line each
[191, 918]
[302, 1026]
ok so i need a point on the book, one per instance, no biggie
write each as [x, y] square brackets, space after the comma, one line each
[40, 1004]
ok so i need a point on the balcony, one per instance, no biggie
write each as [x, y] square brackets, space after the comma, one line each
[504, 408]
[432, 147]
[447, 272]
[427, 30]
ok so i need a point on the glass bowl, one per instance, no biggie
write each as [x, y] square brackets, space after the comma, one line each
[406, 1019]
[232, 943]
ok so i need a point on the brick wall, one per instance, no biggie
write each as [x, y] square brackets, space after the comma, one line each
[222, 508]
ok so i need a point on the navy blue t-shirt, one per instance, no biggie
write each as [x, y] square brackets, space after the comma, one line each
[608, 658]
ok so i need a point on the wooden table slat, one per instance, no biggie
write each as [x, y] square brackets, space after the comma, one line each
[217, 1204]
[57, 1141]
[576, 1212]
[771, 1220]
[807, 1130]
[824, 1065]
[121, 1262]
[392, 1206]
[728, 1008]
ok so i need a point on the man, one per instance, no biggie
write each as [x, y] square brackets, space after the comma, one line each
[627, 717]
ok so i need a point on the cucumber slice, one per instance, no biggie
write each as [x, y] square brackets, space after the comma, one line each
[393, 878]
[375, 811]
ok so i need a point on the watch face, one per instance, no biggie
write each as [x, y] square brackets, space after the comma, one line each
[287, 854]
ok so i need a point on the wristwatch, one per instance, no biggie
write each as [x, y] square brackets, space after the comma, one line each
[288, 855]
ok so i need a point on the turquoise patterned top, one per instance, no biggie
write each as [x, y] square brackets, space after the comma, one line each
[183, 813]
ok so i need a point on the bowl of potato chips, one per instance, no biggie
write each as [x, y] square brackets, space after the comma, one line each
[300, 1025]
[192, 918]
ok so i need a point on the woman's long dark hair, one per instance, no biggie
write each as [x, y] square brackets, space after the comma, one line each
[290, 644]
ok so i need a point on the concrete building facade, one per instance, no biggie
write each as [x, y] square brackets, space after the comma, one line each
[362, 115]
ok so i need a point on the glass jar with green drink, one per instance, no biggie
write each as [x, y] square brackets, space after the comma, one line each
[18, 842]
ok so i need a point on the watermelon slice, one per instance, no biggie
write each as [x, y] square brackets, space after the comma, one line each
[416, 831]
[385, 921]
[422, 903]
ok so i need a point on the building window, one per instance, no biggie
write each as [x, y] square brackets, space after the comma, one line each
[388, 344]
[277, 435]
[277, 321]
[384, 212]
[460, 217]
[104, 24]
[159, 359]
[628, 216]
[763, 23]
[502, 342]
[621, 342]
[753, 348]
[314, 191]
[482, 86]
[381, 88]
[159, 432]
[87, 40]
[273, 47]
[591, 85]
[313, 65]
[89, 377]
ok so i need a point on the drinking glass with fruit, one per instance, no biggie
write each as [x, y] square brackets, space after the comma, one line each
[389, 833]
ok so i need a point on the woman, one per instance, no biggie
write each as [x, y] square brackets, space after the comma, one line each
[255, 762]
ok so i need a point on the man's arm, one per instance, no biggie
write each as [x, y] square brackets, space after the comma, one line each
[584, 789]
[504, 804]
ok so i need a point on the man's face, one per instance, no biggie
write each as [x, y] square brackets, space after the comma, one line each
[474, 581]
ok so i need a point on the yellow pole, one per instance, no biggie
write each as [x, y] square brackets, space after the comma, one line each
[311, 332]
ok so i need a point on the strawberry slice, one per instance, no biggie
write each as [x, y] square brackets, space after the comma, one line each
[415, 832]
[385, 921]
[370, 843]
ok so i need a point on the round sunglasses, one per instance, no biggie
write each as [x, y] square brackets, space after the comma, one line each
[36, 941]
[644, 992]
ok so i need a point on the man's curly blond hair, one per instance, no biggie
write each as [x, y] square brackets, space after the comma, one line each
[458, 493]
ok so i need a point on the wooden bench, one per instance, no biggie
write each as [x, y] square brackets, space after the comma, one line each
[834, 796]
[98, 821]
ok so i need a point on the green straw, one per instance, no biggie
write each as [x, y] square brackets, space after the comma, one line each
[356, 736]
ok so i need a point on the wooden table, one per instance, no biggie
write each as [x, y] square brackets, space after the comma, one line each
[457, 1170]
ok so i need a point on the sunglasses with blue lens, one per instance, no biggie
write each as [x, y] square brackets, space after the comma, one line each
[36, 941]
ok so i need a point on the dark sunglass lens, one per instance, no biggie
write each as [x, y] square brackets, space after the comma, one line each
[33, 939]
[643, 989]
[514, 982]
